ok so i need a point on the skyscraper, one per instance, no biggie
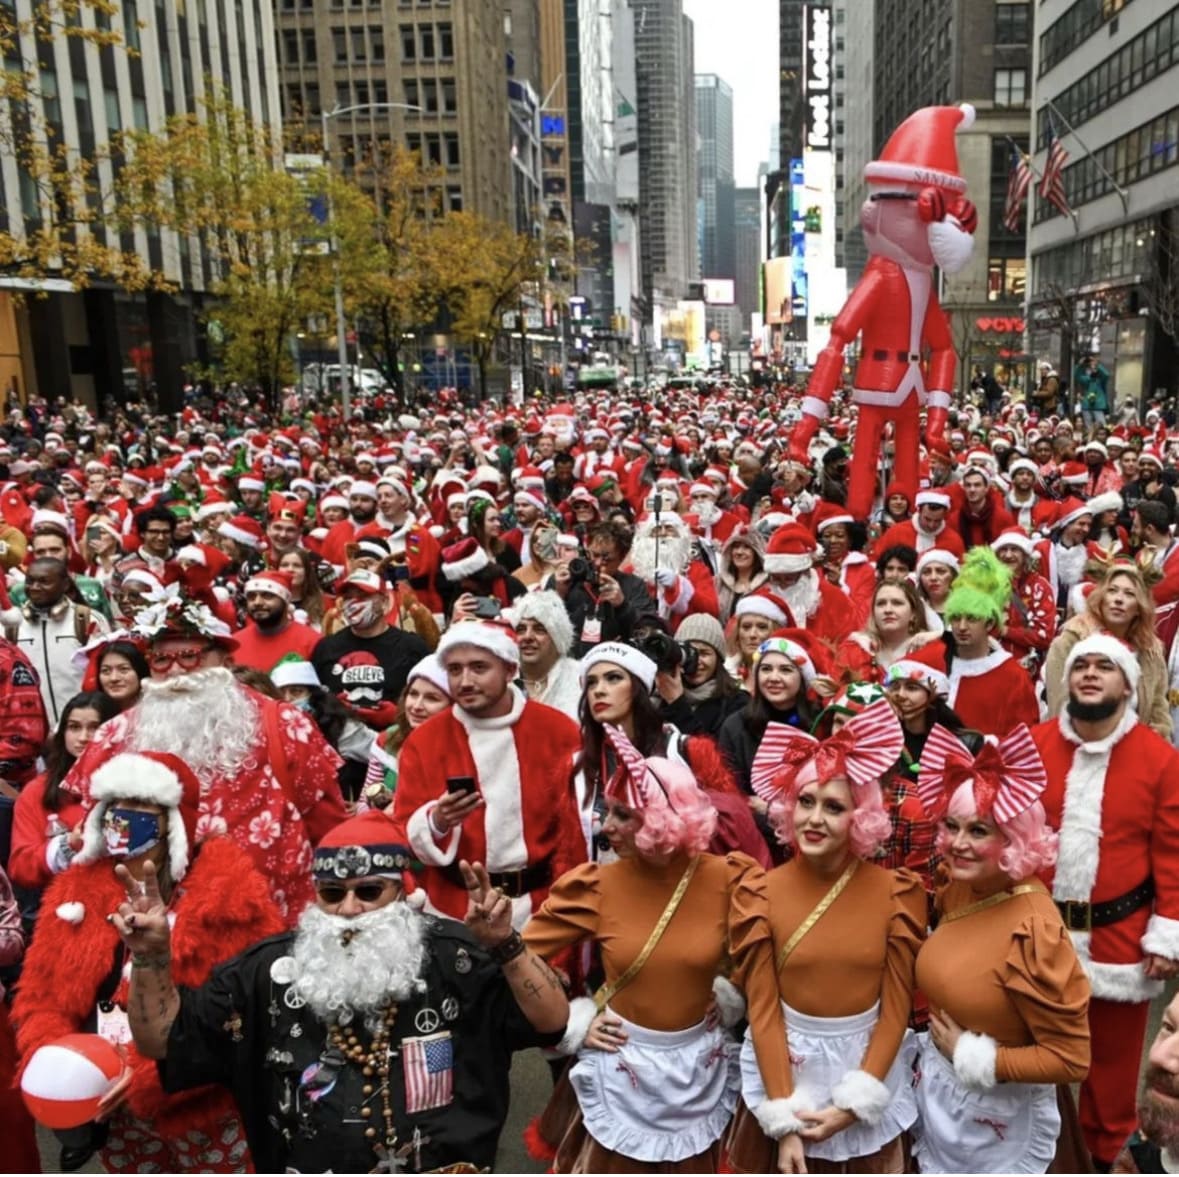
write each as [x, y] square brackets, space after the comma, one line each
[667, 147]
[747, 236]
[715, 186]
[448, 60]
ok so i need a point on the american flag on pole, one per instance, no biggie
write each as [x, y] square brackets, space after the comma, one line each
[1018, 183]
[429, 1071]
[1051, 183]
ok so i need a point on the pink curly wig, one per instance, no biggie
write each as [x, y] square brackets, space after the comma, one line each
[1031, 845]
[870, 825]
[686, 824]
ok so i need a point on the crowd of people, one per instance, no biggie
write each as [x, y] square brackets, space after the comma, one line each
[342, 759]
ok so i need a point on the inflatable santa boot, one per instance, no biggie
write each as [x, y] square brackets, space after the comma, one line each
[916, 217]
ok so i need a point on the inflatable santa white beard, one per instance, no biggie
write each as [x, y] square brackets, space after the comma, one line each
[950, 245]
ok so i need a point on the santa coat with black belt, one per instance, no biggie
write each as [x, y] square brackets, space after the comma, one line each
[521, 764]
[1111, 840]
[221, 907]
[992, 694]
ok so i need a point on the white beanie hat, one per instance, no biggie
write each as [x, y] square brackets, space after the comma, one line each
[632, 660]
[433, 672]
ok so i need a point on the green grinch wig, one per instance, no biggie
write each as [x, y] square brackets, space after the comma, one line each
[982, 589]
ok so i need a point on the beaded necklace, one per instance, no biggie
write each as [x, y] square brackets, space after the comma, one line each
[374, 1064]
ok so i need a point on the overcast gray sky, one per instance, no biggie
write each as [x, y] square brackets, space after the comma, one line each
[738, 39]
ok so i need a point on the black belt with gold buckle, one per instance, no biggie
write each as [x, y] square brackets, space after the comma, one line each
[1084, 917]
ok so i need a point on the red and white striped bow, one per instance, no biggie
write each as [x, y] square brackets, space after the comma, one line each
[1008, 775]
[863, 750]
[633, 784]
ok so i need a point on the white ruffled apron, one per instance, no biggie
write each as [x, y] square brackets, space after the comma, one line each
[822, 1051]
[664, 1096]
[1010, 1129]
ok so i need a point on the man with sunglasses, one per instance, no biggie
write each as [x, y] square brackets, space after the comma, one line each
[268, 776]
[371, 1039]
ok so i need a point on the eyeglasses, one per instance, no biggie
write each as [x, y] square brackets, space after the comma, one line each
[188, 659]
[367, 892]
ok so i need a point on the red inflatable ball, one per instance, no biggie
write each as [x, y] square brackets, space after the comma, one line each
[66, 1079]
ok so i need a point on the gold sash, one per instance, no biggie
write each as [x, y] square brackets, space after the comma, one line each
[818, 913]
[603, 995]
[990, 901]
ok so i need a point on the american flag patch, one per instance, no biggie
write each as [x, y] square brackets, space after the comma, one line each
[429, 1072]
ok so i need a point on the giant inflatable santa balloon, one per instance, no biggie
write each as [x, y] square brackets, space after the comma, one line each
[916, 217]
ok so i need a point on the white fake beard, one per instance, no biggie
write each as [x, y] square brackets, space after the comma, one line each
[381, 962]
[803, 596]
[708, 513]
[950, 245]
[673, 554]
[1070, 563]
[204, 717]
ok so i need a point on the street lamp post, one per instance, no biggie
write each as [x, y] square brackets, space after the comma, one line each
[341, 325]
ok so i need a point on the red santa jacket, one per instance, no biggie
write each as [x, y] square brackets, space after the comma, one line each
[1031, 618]
[983, 527]
[222, 906]
[1113, 839]
[906, 533]
[992, 694]
[836, 617]
[897, 311]
[693, 592]
[522, 765]
[1166, 591]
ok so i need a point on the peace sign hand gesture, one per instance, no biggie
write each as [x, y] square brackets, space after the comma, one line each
[142, 918]
[489, 910]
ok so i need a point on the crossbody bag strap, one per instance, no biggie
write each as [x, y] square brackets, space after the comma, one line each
[818, 913]
[607, 991]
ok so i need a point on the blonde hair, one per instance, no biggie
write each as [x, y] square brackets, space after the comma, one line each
[1140, 632]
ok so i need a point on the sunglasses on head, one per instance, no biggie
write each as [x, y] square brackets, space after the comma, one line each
[188, 659]
[368, 891]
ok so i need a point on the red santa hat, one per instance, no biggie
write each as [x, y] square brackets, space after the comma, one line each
[1069, 511]
[369, 845]
[1023, 464]
[1109, 501]
[790, 549]
[244, 530]
[1014, 537]
[926, 666]
[765, 603]
[1074, 473]
[250, 482]
[153, 778]
[933, 498]
[494, 637]
[463, 559]
[278, 584]
[937, 556]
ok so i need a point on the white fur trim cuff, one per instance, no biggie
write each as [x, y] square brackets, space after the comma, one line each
[865, 1096]
[778, 1117]
[425, 845]
[468, 566]
[974, 1061]
[1162, 937]
[582, 1012]
[131, 777]
[730, 1001]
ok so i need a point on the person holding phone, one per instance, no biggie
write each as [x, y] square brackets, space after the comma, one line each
[489, 780]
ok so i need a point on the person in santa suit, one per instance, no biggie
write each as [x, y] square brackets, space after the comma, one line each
[989, 690]
[845, 565]
[1061, 557]
[1030, 511]
[814, 603]
[597, 457]
[714, 524]
[981, 515]
[76, 974]
[268, 778]
[662, 557]
[490, 780]
[927, 529]
[916, 216]
[1113, 795]
[1030, 625]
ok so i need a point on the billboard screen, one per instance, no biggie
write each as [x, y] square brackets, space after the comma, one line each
[776, 274]
[720, 292]
[798, 207]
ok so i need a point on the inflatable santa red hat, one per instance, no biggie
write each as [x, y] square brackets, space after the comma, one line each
[920, 162]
